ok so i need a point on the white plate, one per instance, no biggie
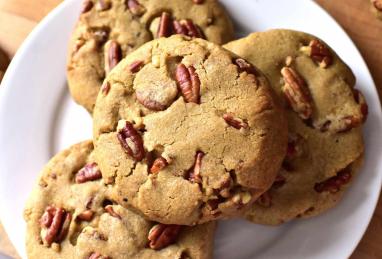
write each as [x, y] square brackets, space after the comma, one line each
[38, 118]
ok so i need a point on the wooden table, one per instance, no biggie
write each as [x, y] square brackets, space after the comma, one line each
[18, 17]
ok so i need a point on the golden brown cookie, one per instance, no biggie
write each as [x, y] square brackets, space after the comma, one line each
[186, 132]
[70, 215]
[325, 114]
[107, 30]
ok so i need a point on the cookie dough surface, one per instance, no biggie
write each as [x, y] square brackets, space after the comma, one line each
[325, 114]
[108, 30]
[84, 221]
[190, 136]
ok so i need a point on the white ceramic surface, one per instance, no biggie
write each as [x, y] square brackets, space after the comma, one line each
[38, 118]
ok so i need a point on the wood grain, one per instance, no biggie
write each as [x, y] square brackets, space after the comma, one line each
[18, 18]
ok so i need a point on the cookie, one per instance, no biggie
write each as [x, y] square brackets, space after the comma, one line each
[325, 114]
[108, 30]
[186, 132]
[377, 8]
[70, 215]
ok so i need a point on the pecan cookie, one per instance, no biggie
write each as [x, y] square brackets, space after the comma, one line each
[325, 113]
[70, 215]
[109, 29]
[377, 8]
[186, 132]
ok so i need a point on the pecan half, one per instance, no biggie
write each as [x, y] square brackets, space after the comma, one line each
[101, 35]
[265, 200]
[86, 215]
[135, 7]
[319, 53]
[334, 183]
[136, 66]
[378, 5]
[360, 99]
[131, 141]
[103, 5]
[113, 54]
[297, 93]
[110, 210]
[158, 165]
[89, 172]
[105, 88]
[198, 1]
[96, 255]
[194, 173]
[179, 28]
[165, 25]
[54, 224]
[192, 29]
[244, 66]
[188, 83]
[237, 123]
[161, 235]
[87, 6]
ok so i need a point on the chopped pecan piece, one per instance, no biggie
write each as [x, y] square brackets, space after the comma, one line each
[319, 53]
[103, 5]
[54, 225]
[188, 83]
[89, 172]
[158, 165]
[334, 183]
[86, 215]
[194, 173]
[297, 93]
[101, 35]
[161, 235]
[165, 25]
[87, 6]
[105, 88]
[265, 200]
[131, 141]
[198, 1]
[360, 99]
[237, 123]
[136, 66]
[179, 28]
[244, 66]
[113, 54]
[135, 7]
[192, 29]
[110, 210]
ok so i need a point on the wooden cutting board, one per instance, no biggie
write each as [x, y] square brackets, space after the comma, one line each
[18, 18]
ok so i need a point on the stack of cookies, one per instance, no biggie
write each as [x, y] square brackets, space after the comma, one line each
[187, 132]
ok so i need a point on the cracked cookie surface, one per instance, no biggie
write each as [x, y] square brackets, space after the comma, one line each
[193, 135]
[70, 214]
[325, 114]
[108, 30]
